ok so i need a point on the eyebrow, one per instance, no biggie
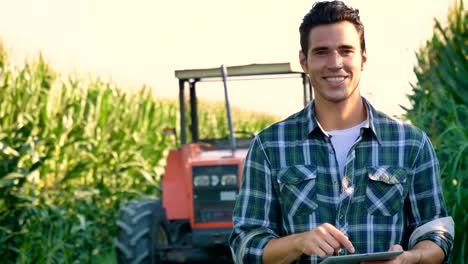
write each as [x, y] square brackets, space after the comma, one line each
[346, 47]
[323, 48]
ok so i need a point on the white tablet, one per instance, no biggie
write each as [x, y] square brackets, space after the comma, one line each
[356, 258]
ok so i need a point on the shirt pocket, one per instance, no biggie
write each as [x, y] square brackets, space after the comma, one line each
[385, 190]
[297, 189]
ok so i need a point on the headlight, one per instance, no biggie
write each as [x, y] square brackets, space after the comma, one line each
[202, 180]
[214, 180]
[229, 179]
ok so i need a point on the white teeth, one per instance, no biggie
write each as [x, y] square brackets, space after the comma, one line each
[335, 79]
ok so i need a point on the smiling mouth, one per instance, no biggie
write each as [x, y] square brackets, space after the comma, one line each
[335, 79]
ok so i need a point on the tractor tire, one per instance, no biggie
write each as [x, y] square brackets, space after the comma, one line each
[142, 233]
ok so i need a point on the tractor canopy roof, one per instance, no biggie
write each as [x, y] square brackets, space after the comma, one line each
[241, 70]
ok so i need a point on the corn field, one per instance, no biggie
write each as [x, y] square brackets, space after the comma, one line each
[73, 150]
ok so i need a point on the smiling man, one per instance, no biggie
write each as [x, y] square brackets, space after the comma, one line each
[339, 177]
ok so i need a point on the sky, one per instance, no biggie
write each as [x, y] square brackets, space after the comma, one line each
[142, 42]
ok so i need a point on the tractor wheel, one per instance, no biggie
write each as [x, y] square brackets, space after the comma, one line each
[142, 233]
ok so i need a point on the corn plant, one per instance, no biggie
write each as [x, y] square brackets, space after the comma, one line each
[440, 107]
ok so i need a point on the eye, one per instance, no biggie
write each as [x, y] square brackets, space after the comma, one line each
[320, 52]
[346, 52]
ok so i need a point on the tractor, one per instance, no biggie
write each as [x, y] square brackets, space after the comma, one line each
[193, 219]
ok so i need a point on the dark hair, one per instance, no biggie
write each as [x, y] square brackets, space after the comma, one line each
[329, 12]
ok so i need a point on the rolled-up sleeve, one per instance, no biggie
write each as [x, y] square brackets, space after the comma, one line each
[256, 212]
[427, 214]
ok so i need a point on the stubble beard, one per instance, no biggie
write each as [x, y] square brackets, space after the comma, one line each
[338, 99]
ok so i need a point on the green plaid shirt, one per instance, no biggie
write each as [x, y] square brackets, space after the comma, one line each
[291, 184]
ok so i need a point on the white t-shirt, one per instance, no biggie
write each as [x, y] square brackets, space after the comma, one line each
[342, 141]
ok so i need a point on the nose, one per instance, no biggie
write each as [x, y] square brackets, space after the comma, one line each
[335, 61]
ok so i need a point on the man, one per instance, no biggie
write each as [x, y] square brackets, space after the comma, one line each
[339, 177]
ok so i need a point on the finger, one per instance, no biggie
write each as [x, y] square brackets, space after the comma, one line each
[326, 248]
[318, 251]
[396, 248]
[347, 244]
[332, 230]
[342, 239]
[332, 241]
[325, 232]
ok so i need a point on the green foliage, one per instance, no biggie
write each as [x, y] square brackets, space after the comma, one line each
[72, 151]
[214, 124]
[440, 107]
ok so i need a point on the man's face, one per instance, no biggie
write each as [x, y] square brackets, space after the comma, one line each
[334, 61]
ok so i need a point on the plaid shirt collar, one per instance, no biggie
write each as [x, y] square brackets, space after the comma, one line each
[312, 126]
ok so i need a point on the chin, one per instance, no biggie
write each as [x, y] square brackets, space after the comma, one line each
[336, 98]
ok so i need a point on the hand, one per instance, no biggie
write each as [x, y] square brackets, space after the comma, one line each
[405, 257]
[323, 240]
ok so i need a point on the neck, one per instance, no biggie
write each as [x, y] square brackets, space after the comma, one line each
[342, 115]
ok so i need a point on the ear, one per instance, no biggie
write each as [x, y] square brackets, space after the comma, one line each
[363, 59]
[303, 61]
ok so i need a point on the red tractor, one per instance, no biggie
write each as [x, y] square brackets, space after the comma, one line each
[193, 219]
